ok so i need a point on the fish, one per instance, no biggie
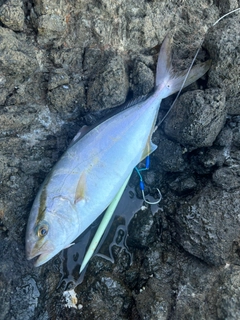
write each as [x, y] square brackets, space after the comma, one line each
[88, 176]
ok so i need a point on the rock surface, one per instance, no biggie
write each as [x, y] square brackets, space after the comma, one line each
[64, 63]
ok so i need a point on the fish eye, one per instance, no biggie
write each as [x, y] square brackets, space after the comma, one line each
[42, 229]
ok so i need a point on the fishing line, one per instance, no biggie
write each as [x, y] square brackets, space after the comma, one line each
[142, 187]
[115, 201]
[191, 65]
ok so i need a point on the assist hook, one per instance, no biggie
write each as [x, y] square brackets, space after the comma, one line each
[142, 187]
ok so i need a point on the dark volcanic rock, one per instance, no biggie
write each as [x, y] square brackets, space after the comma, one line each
[12, 15]
[197, 118]
[110, 86]
[208, 224]
[65, 61]
[225, 58]
[170, 155]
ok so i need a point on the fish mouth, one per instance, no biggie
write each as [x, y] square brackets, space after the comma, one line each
[42, 258]
[42, 255]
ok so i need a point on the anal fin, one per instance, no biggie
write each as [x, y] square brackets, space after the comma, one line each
[81, 133]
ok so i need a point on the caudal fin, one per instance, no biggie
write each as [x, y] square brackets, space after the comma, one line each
[166, 80]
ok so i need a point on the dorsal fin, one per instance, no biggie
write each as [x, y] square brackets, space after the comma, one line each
[113, 111]
[133, 102]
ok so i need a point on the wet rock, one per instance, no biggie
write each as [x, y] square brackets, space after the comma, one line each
[205, 161]
[142, 228]
[228, 301]
[197, 118]
[107, 289]
[207, 225]
[170, 155]
[152, 302]
[183, 184]
[224, 139]
[12, 15]
[227, 178]
[199, 283]
[236, 132]
[26, 292]
[30, 294]
[233, 105]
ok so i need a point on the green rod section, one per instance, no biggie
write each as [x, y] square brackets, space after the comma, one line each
[103, 225]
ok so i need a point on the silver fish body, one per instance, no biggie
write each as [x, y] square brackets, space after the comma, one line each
[88, 176]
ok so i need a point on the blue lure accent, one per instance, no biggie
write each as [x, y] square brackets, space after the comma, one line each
[142, 187]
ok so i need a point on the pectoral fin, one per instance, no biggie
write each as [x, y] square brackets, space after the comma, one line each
[69, 245]
[81, 188]
[81, 133]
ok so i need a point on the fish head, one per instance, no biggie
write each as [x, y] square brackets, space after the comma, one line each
[50, 230]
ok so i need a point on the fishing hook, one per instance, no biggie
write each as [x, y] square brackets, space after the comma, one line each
[142, 183]
[152, 202]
